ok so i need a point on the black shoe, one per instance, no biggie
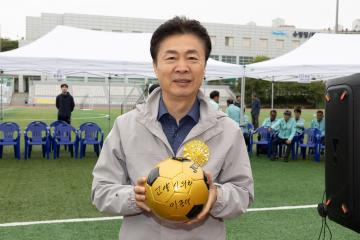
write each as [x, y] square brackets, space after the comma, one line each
[286, 159]
[272, 158]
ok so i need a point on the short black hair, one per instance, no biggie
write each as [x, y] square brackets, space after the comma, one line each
[179, 25]
[229, 101]
[214, 94]
[297, 109]
[153, 87]
[238, 96]
[320, 111]
[287, 112]
[273, 111]
[64, 85]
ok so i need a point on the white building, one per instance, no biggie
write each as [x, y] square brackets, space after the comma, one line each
[231, 43]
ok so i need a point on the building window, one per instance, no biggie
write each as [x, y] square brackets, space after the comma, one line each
[137, 31]
[215, 57]
[263, 43]
[279, 44]
[229, 59]
[245, 60]
[246, 42]
[229, 41]
[213, 40]
[96, 79]
[74, 79]
[96, 29]
[116, 30]
[295, 43]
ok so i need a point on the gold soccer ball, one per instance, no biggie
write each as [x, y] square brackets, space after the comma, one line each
[176, 189]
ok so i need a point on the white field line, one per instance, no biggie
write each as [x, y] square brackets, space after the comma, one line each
[280, 208]
[15, 224]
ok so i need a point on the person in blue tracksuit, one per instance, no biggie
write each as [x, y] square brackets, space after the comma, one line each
[286, 128]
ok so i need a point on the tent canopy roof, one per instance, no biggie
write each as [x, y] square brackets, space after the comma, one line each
[322, 57]
[71, 50]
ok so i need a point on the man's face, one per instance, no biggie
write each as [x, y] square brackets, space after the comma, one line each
[273, 116]
[286, 117]
[180, 65]
[319, 116]
[238, 99]
[64, 89]
[297, 115]
[216, 99]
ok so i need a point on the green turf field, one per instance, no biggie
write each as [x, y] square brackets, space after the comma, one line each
[41, 189]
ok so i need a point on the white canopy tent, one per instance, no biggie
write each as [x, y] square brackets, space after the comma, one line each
[322, 57]
[70, 50]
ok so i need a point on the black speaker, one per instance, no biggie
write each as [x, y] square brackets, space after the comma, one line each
[342, 151]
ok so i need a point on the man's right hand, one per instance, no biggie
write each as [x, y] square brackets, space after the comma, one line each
[139, 190]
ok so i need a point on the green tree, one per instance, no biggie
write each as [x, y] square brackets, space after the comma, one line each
[8, 44]
[260, 58]
[286, 95]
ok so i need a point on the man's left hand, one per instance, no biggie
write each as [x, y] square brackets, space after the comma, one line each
[288, 142]
[209, 204]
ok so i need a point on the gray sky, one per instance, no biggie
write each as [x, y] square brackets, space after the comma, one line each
[316, 14]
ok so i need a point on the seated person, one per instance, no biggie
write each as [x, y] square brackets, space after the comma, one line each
[286, 128]
[268, 122]
[245, 129]
[319, 123]
[233, 111]
[300, 123]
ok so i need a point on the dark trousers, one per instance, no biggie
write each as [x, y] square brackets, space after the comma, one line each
[278, 142]
[65, 119]
[247, 138]
[255, 121]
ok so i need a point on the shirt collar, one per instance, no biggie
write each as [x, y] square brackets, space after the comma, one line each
[194, 112]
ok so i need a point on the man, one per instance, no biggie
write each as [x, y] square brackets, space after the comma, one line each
[255, 110]
[214, 99]
[173, 115]
[286, 128]
[238, 101]
[65, 104]
[233, 111]
[300, 122]
[268, 122]
[319, 123]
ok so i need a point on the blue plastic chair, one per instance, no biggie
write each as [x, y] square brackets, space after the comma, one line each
[312, 143]
[10, 136]
[65, 134]
[36, 133]
[265, 140]
[298, 139]
[90, 133]
[52, 129]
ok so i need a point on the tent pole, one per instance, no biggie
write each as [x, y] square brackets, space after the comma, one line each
[272, 93]
[242, 104]
[2, 113]
[109, 80]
